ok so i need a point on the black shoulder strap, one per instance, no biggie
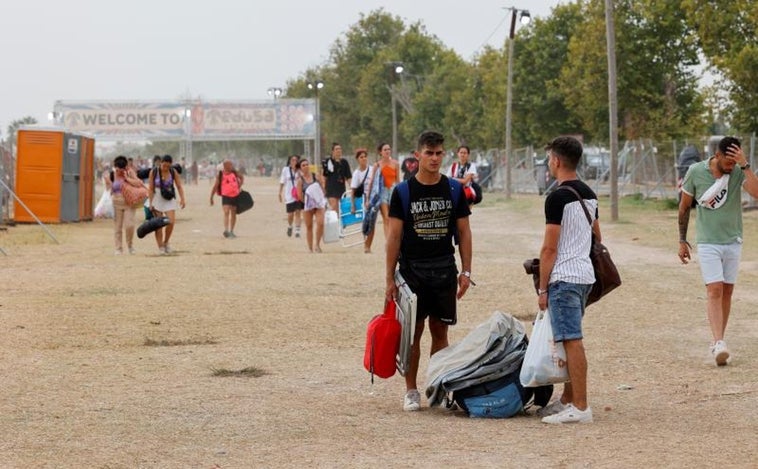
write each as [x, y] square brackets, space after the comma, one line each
[581, 201]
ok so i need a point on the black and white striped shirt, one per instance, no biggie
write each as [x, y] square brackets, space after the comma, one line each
[572, 264]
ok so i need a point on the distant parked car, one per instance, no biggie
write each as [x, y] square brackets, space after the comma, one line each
[597, 163]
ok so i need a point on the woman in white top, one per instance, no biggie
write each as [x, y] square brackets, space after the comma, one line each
[311, 190]
[288, 195]
[359, 184]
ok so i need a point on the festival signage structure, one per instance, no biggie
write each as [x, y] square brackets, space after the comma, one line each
[194, 120]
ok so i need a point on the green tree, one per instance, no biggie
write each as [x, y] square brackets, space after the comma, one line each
[728, 35]
[16, 124]
[657, 87]
[540, 52]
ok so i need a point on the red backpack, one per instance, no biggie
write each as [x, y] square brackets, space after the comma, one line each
[382, 343]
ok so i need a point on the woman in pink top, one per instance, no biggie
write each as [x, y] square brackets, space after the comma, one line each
[228, 185]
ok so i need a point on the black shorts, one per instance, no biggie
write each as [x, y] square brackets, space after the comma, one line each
[294, 206]
[435, 283]
[228, 200]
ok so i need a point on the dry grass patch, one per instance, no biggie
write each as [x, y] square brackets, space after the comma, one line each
[178, 342]
[248, 372]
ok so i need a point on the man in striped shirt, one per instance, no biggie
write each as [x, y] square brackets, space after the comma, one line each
[566, 274]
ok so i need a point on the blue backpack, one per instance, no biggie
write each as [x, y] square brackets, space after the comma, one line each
[405, 198]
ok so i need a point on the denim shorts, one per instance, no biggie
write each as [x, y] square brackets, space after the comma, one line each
[719, 262]
[566, 303]
[387, 194]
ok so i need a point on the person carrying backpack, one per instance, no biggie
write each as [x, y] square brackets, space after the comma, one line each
[228, 185]
[426, 213]
[162, 189]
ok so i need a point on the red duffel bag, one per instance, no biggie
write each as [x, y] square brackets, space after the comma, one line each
[382, 343]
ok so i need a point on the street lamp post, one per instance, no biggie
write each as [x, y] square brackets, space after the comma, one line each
[525, 18]
[188, 134]
[316, 86]
[397, 69]
[275, 93]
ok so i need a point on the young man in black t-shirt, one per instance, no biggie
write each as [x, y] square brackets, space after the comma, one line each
[420, 238]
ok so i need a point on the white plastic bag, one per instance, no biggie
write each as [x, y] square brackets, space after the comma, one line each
[545, 360]
[104, 207]
[331, 226]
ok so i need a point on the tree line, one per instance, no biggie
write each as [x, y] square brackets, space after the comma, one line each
[559, 77]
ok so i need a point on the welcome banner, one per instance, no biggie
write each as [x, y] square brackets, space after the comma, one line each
[196, 120]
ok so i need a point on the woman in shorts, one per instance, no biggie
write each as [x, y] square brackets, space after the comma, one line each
[162, 188]
[311, 190]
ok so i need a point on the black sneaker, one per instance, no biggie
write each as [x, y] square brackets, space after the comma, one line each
[289, 231]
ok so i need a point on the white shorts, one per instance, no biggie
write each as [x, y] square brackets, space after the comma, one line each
[719, 262]
[163, 205]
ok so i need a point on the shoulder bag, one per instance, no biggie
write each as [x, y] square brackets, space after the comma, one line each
[134, 194]
[607, 277]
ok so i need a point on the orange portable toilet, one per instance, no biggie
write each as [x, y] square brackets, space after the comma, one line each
[54, 175]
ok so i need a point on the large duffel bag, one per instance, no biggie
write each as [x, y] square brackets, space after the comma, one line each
[501, 398]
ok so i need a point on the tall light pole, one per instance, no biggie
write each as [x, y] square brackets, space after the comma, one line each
[275, 93]
[316, 86]
[188, 134]
[397, 69]
[610, 32]
[525, 19]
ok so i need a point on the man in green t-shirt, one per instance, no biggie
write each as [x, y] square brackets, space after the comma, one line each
[716, 184]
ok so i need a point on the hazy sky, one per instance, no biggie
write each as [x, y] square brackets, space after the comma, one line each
[222, 49]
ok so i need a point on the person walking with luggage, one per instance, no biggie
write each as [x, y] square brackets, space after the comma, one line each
[336, 173]
[566, 275]
[228, 185]
[716, 184]
[311, 191]
[425, 213]
[123, 213]
[359, 184]
[288, 194]
[164, 183]
[389, 168]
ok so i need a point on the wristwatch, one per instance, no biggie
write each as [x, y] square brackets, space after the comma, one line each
[466, 273]
[747, 165]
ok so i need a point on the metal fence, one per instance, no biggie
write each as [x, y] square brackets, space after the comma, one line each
[646, 168]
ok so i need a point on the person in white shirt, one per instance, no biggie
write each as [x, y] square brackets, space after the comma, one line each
[359, 185]
[464, 171]
[288, 195]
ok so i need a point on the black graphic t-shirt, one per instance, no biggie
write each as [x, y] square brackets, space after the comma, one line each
[428, 232]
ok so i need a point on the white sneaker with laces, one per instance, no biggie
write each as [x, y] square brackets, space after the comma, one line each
[570, 415]
[551, 409]
[412, 400]
[720, 352]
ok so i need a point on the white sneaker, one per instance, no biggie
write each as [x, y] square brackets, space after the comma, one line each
[412, 400]
[570, 415]
[167, 249]
[720, 352]
[132, 251]
[551, 409]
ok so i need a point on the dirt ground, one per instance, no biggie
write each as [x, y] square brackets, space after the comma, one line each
[108, 362]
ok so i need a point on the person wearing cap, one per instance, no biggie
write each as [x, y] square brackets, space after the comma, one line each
[566, 274]
[716, 184]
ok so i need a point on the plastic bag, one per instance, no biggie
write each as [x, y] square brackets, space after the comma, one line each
[545, 360]
[104, 207]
